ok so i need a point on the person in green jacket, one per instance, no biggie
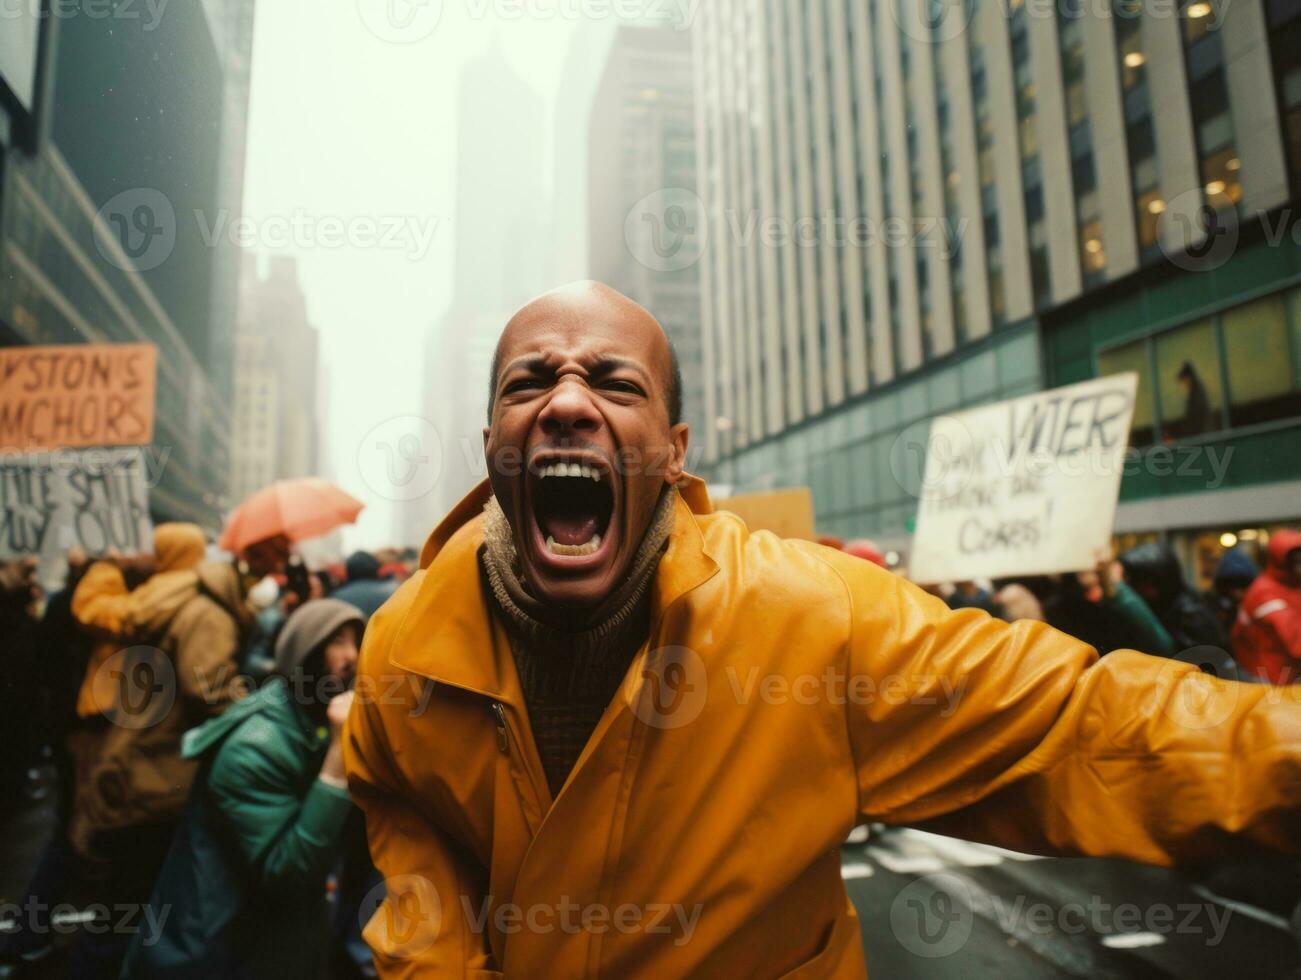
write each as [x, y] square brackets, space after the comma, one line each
[244, 882]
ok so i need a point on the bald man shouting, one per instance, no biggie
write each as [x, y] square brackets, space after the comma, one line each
[619, 735]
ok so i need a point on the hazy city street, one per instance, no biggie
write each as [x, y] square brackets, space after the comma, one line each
[500, 488]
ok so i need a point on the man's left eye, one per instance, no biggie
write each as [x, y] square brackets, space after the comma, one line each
[617, 384]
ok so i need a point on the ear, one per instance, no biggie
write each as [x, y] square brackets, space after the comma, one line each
[679, 436]
[487, 434]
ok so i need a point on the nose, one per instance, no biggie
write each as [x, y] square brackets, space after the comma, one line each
[570, 410]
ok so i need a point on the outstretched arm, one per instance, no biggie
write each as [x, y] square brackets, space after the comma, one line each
[1046, 748]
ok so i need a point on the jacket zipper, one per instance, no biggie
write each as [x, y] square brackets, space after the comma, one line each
[505, 738]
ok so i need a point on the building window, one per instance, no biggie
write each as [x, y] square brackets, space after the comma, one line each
[1285, 45]
[1261, 369]
[1240, 368]
[1188, 381]
[1134, 357]
[1209, 99]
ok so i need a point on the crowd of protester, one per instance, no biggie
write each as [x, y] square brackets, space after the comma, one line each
[191, 710]
[1247, 626]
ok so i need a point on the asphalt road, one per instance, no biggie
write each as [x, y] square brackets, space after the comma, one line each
[935, 907]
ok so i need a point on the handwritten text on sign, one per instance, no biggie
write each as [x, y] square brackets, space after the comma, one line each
[1023, 487]
[77, 395]
[95, 498]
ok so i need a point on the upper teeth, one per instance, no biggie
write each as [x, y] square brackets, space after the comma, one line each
[572, 469]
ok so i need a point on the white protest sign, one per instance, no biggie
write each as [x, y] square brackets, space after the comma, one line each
[1023, 487]
[95, 498]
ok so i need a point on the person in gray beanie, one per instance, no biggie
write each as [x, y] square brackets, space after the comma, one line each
[242, 892]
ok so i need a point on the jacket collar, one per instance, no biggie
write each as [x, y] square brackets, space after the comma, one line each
[449, 635]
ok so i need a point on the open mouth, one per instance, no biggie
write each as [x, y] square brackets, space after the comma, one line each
[572, 504]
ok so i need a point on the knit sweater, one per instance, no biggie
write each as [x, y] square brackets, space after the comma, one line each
[570, 662]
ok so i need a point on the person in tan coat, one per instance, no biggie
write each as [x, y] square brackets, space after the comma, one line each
[607, 731]
[166, 661]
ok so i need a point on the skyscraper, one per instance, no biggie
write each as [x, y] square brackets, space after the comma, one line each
[277, 404]
[958, 203]
[137, 130]
[501, 263]
[641, 144]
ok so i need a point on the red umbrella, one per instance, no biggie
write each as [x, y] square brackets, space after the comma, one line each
[298, 509]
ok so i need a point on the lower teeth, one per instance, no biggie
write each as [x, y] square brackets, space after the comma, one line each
[589, 548]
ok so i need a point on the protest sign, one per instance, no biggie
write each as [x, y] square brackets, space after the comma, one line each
[77, 395]
[786, 513]
[95, 498]
[1023, 487]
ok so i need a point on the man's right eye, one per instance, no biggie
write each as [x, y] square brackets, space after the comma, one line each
[522, 384]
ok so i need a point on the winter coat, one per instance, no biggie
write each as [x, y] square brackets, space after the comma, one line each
[1153, 571]
[181, 634]
[786, 693]
[245, 878]
[1267, 635]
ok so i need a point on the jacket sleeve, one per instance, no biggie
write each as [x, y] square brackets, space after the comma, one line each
[1017, 735]
[1285, 620]
[288, 841]
[421, 928]
[102, 600]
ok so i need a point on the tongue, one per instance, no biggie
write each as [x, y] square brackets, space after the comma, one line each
[571, 529]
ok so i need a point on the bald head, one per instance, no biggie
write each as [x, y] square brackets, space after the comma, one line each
[588, 301]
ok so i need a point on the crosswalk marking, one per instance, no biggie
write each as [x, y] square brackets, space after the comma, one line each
[856, 869]
[1132, 940]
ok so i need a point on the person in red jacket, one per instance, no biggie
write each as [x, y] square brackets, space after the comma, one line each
[1267, 634]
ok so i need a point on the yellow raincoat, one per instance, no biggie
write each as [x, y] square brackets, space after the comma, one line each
[787, 693]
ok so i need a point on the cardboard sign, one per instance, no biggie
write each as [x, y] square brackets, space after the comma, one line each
[1023, 487]
[786, 513]
[95, 498]
[77, 395]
